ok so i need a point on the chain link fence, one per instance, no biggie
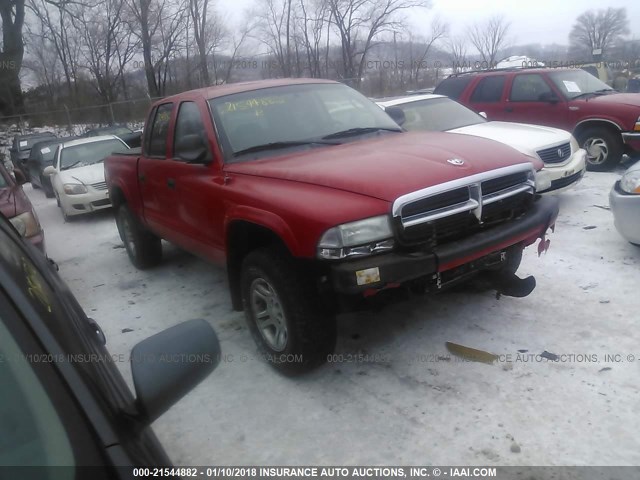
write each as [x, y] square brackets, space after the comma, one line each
[78, 119]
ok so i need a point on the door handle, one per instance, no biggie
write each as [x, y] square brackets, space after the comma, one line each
[508, 109]
[171, 183]
[141, 177]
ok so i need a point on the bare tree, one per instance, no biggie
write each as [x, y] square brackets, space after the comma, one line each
[457, 47]
[208, 34]
[360, 22]
[276, 19]
[312, 21]
[599, 30]
[438, 31]
[489, 38]
[12, 13]
[41, 59]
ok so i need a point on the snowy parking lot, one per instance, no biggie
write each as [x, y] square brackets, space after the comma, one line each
[411, 402]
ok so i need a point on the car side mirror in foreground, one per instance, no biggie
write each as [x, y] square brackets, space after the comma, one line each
[483, 114]
[49, 171]
[396, 114]
[168, 365]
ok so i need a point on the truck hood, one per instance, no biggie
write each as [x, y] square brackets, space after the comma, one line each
[631, 99]
[87, 175]
[390, 166]
[527, 139]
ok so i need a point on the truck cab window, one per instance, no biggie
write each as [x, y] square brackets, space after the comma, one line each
[188, 124]
[159, 131]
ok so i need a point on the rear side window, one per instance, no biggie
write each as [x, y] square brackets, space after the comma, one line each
[453, 87]
[489, 89]
[159, 131]
[529, 88]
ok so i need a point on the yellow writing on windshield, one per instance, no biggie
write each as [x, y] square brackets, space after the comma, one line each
[256, 104]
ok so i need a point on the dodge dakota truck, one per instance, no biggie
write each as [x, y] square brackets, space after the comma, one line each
[313, 199]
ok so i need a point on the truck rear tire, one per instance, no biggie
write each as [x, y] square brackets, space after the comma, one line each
[284, 313]
[604, 148]
[143, 247]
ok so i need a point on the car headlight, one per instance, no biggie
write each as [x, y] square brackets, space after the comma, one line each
[360, 238]
[543, 180]
[26, 224]
[636, 127]
[630, 182]
[74, 188]
[574, 145]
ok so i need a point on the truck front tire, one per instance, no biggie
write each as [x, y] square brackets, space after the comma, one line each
[603, 146]
[143, 247]
[284, 313]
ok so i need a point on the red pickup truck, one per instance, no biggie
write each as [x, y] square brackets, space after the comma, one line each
[313, 198]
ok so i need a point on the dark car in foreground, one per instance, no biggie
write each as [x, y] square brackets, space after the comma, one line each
[128, 136]
[16, 206]
[63, 402]
[42, 155]
[21, 148]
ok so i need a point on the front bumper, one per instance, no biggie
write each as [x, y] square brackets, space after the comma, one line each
[626, 213]
[631, 141]
[86, 202]
[567, 175]
[391, 269]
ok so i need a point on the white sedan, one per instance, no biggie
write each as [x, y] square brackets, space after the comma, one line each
[77, 174]
[564, 160]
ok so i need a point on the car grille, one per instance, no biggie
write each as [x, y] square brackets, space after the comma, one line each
[101, 203]
[457, 209]
[100, 185]
[557, 154]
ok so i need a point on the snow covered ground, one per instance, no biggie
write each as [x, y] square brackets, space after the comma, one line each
[419, 404]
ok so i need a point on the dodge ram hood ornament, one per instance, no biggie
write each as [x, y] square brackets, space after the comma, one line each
[456, 161]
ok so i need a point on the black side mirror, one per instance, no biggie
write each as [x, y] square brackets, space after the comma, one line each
[397, 114]
[166, 366]
[548, 97]
[192, 148]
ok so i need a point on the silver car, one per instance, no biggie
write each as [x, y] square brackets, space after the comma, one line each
[624, 200]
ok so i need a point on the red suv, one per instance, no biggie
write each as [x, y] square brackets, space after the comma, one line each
[605, 123]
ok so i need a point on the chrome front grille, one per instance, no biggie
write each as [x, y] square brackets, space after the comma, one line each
[557, 154]
[99, 185]
[461, 207]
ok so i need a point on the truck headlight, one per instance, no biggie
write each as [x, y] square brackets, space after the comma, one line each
[543, 180]
[26, 224]
[636, 127]
[630, 182]
[360, 238]
[74, 188]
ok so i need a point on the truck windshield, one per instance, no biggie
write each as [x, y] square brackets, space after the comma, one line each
[578, 83]
[437, 115]
[88, 153]
[293, 116]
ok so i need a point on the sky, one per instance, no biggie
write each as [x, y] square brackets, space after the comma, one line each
[538, 21]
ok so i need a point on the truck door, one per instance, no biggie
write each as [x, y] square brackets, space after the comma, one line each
[197, 185]
[532, 99]
[158, 198]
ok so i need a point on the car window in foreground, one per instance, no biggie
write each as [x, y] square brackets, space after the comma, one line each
[88, 153]
[576, 83]
[294, 114]
[438, 114]
[32, 431]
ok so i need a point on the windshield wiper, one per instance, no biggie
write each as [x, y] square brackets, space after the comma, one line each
[602, 91]
[67, 167]
[278, 145]
[359, 131]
